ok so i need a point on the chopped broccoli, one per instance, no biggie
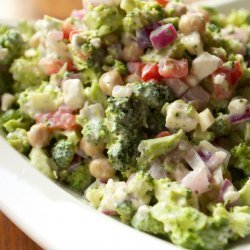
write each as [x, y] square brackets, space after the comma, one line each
[126, 211]
[39, 159]
[244, 194]
[79, 178]
[189, 228]
[140, 14]
[153, 95]
[63, 153]
[239, 17]
[105, 19]
[197, 136]
[19, 140]
[241, 157]
[218, 106]
[95, 95]
[153, 148]
[44, 99]
[11, 43]
[144, 221]
[26, 73]
[119, 66]
[27, 29]
[91, 118]
[222, 126]
[124, 136]
[13, 119]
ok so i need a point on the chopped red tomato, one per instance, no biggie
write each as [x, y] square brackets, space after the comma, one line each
[67, 28]
[60, 119]
[232, 72]
[222, 91]
[150, 71]
[163, 134]
[171, 68]
[53, 66]
[162, 2]
[135, 67]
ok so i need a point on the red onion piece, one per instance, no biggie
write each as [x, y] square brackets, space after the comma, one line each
[110, 212]
[143, 35]
[178, 86]
[216, 160]
[197, 181]
[235, 119]
[157, 171]
[228, 193]
[163, 36]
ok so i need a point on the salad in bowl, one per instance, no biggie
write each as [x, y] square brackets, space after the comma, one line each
[142, 107]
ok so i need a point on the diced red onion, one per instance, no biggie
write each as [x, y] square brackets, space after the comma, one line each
[143, 35]
[163, 36]
[110, 212]
[197, 181]
[180, 173]
[228, 193]
[197, 93]
[204, 154]
[178, 86]
[216, 160]
[55, 35]
[235, 119]
[193, 159]
[157, 171]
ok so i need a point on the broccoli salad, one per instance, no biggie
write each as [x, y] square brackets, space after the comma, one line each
[143, 108]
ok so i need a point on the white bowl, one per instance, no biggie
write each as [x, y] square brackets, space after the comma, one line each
[56, 219]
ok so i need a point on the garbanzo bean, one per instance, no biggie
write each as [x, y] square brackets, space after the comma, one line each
[91, 149]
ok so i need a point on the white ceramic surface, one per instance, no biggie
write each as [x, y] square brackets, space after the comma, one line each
[55, 219]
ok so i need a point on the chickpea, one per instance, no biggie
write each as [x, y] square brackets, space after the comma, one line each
[91, 149]
[192, 22]
[176, 9]
[101, 169]
[132, 52]
[39, 135]
[132, 78]
[108, 81]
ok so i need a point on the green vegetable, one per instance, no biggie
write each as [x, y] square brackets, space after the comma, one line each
[11, 45]
[14, 119]
[244, 194]
[239, 17]
[152, 148]
[197, 136]
[5, 83]
[63, 153]
[104, 19]
[140, 14]
[92, 121]
[222, 125]
[241, 157]
[39, 159]
[19, 140]
[124, 136]
[79, 178]
[144, 221]
[26, 73]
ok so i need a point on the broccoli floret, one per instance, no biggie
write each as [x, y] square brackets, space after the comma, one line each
[105, 19]
[120, 67]
[144, 221]
[91, 118]
[126, 211]
[13, 119]
[44, 99]
[27, 29]
[197, 136]
[218, 106]
[79, 178]
[124, 136]
[189, 228]
[63, 153]
[244, 194]
[95, 95]
[140, 14]
[11, 45]
[153, 95]
[222, 126]
[26, 73]
[239, 17]
[39, 159]
[241, 157]
[87, 52]
[19, 140]
[153, 148]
